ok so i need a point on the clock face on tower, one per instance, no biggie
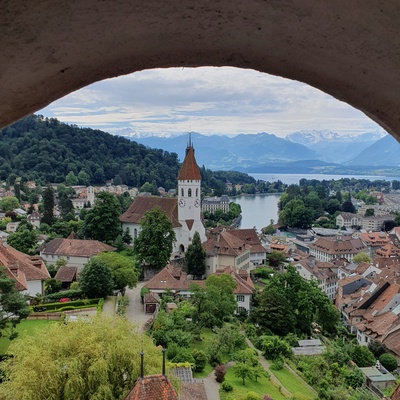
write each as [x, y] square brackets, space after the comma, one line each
[197, 203]
[182, 203]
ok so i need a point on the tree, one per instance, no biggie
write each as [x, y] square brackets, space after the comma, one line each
[9, 203]
[71, 179]
[243, 370]
[348, 206]
[362, 356]
[195, 257]
[95, 279]
[23, 240]
[96, 360]
[48, 206]
[276, 258]
[369, 212]
[127, 237]
[154, 243]
[273, 347]
[52, 285]
[377, 348]
[13, 306]
[388, 361]
[214, 303]
[102, 221]
[361, 257]
[122, 269]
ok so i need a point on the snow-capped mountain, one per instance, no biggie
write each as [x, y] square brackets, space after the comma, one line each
[333, 147]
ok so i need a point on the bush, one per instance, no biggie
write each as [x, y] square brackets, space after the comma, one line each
[182, 356]
[71, 294]
[362, 356]
[277, 364]
[252, 396]
[180, 337]
[172, 351]
[200, 360]
[219, 373]
[388, 361]
[226, 387]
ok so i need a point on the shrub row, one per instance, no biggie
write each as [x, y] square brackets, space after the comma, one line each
[70, 294]
[46, 307]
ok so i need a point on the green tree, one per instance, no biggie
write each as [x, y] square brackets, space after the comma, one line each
[362, 356]
[369, 212]
[9, 203]
[388, 361]
[24, 240]
[96, 360]
[296, 214]
[276, 258]
[243, 370]
[127, 237]
[13, 306]
[71, 179]
[377, 348]
[273, 347]
[361, 257]
[102, 221]
[348, 206]
[122, 269]
[195, 257]
[83, 178]
[333, 206]
[154, 243]
[214, 303]
[52, 286]
[95, 279]
[48, 206]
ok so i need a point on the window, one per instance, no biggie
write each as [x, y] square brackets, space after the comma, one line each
[241, 310]
[190, 193]
[182, 193]
[135, 233]
[197, 192]
[240, 298]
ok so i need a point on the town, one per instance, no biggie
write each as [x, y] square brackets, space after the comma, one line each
[239, 314]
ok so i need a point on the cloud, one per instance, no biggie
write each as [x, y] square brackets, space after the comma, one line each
[206, 100]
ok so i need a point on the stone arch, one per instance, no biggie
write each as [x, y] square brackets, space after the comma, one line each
[343, 48]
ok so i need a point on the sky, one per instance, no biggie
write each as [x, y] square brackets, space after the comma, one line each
[208, 100]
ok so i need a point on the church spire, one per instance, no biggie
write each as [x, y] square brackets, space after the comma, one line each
[189, 169]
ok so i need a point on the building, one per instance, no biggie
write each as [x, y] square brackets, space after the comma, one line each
[76, 252]
[29, 272]
[183, 211]
[211, 204]
[348, 220]
[374, 241]
[329, 249]
[224, 249]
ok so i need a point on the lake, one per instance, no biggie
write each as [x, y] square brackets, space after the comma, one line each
[258, 210]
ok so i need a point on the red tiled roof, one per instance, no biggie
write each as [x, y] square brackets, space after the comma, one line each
[151, 297]
[244, 284]
[141, 205]
[74, 247]
[167, 278]
[31, 266]
[189, 169]
[224, 243]
[336, 247]
[249, 236]
[66, 274]
[153, 387]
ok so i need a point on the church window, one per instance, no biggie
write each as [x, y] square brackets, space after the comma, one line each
[182, 193]
[135, 233]
[190, 193]
[197, 192]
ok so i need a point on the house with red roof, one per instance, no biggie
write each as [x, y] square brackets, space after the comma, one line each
[75, 251]
[225, 249]
[29, 272]
[183, 211]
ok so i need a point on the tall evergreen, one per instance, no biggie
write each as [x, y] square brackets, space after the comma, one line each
[48, 206]
[195, 257]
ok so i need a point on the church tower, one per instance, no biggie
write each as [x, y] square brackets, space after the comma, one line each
[189, 199]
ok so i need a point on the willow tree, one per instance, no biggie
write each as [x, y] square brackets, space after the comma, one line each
[79, 361]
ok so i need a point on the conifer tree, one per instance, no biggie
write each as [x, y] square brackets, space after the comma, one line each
[195, 257]
[48, 206]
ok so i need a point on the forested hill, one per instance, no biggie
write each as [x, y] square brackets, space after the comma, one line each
[46, 150]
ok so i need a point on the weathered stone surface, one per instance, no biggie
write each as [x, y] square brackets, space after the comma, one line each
[347, 48]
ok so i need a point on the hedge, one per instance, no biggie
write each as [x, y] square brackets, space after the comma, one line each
[70, 294]
[46, 307]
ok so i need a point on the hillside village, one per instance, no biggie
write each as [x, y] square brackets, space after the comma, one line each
[357, 267]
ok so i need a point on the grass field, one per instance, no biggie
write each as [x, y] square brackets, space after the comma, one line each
[261, 387]
[25, 327]
[206, 336]
[293, 384]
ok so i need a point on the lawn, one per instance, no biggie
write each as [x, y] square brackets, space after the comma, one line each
[25, 327]
[293, 384]
[261, 387]
[206, 336]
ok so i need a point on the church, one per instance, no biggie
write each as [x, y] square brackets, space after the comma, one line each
[184, 211]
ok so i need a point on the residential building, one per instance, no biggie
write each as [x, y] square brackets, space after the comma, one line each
[183, 211]
[375, 222]
[34, 219]
[67, 275]
[76, 252]
[211, 204]
[325, 273]
[29, 272]
[328, 249]
[348, 220]
[374, 241]
[224, 249]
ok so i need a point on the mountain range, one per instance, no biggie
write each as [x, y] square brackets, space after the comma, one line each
[315, 151]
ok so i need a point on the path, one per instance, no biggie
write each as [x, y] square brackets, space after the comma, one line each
[266, 366]
[109, 306]
[211, 386]
[134, 312]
